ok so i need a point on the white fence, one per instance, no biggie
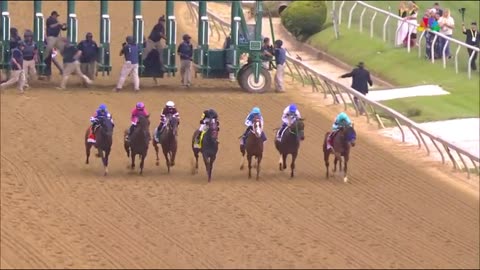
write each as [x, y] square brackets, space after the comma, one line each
[341, 11]
[329, 87]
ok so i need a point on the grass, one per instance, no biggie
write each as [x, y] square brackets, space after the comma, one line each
[406, 69]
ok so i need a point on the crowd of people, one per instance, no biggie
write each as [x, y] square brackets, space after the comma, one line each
[436, 19]
[81, 59]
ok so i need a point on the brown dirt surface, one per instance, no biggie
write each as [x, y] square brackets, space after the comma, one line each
[57, 212]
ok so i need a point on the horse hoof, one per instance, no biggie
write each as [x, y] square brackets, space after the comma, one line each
[241, 167]
[157, 163]
[345, 179]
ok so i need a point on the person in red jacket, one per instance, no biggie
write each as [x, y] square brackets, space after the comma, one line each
[138, 111]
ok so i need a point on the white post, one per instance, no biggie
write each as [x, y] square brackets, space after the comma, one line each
[350, 15]
[432, 49]
[371, 24]
[456, 58]
[385, 28]
[361, 19]
[340, 13]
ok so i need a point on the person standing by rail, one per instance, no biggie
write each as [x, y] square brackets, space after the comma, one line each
[360, 81]
[473, 38]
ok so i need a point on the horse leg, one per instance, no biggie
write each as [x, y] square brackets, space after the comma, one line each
[142, 161]
[242, 161]
[127, 148]
[326, 157]
[345, 178]
[292, 165]
[157, 162]
[173, 154]
[284, 158]
[280, 164]
[104, 157]
[249, 159]
[335, 162]
[165, 153]
[259, 159]
[206, 160]
[87, 151]
[133, 161]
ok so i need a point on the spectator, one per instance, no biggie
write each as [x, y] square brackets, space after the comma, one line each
[472, 39]
[185, 50]
[267, 53]
[53, 32]
[71, 64]
[30, 56]
[402, 27]
[447, 24]
[14, 38]
[88, 58]
[360, 81]
[16, 73]
[130, 52]
[280, 60]
[411, 17]
[154, 40]
[438, 9]
[429, 36]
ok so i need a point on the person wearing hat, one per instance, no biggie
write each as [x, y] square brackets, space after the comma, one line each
[360, 81]
[53, 32]
[185, 50]
[29, 56]
[130, 52]
[155, 38]
[473, 39]
[71, 65]
[89, 49]
[16, 73]
[280, 60]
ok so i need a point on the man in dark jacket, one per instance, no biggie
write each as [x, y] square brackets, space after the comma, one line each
[360, 81]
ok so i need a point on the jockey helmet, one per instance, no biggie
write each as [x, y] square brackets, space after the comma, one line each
[170, 104]
[256, 110]
[292, 108]
[140, 106]
[102, 107]
[342, 116]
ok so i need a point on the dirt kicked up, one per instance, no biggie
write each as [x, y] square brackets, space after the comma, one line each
[57, 212]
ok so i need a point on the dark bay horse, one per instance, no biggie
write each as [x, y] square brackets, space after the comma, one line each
[253, 147]
[290, 143]
[342, 141]
[138, 142]
[168, 140]
[209, 148]
[103, 142]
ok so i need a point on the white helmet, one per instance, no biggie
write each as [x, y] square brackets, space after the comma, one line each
[170, 104]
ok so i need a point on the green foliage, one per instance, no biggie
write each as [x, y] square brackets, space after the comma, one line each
[304, 18]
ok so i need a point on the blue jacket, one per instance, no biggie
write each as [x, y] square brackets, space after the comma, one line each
[249, 119]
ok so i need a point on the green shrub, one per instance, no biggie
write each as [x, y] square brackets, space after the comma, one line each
[304, 18]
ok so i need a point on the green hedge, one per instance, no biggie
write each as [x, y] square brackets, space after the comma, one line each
[304, 18]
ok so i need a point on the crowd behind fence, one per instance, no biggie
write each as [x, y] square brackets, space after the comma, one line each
[388, 30]
[344, 95]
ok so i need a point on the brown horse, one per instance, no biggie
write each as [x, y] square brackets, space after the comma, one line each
[168, 140]
[342, 141]
[290, 143]
[209, 148]
[253, 147]
[103, 142]
[137, 144]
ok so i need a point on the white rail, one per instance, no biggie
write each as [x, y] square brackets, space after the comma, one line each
[412, 26]
[330, 87]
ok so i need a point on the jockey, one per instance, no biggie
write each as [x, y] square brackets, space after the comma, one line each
[289, 113]
[101, 113]
[169, 109]
[249, 123]
[342, 120]
[139, 110]
[205, 119]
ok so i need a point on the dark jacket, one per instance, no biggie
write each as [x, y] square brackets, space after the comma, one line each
[360, 79]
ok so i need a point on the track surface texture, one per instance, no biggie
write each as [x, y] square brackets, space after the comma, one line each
[57, 212]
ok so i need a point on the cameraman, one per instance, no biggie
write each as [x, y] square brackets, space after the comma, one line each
[53, 32]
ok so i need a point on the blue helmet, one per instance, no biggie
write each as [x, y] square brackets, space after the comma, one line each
[256, 110]
[292, 108]
[342, 116]
[102, 107]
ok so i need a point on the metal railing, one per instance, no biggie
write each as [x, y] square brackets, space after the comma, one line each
[388, 30]
[342, 94]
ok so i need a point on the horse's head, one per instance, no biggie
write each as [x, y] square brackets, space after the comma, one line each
[213, 129]
[298, 127]
[107, 126]
[257, 128]
[143, 122]
[172, 124]
[350, 135]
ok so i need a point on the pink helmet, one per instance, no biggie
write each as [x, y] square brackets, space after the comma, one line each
[140, 106]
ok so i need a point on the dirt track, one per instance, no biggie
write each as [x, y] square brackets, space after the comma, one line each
[57, 212]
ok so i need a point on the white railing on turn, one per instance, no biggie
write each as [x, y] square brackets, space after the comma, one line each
[411, 27]
[319, 82]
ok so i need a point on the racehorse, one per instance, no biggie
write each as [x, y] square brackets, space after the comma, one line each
[138, 141]
[168, 140]
[103, 143]
[290, 143]
[254, 147]
[209, 147]
[342, 141]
